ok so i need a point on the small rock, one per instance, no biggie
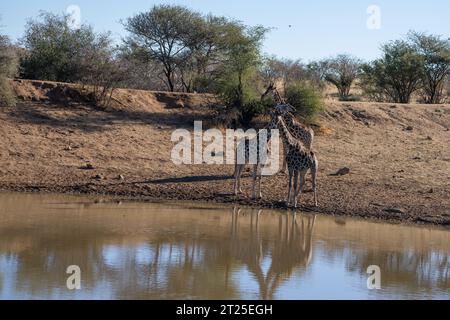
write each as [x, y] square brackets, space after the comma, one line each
[88, 167]
[69, 148]
[98, 177]
[409, 128]
[342, 172]
[120, 177]
[429, 138]
[393, 106]
[417, 158]
[431, 190]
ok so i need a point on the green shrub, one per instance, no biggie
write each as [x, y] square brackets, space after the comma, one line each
[8, 69]
[306, 100]
[7, 95]
[56, 52]
[396, 76]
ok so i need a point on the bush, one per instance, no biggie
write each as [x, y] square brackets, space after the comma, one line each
[8, 68]
[56, 52]
[7, 95]
[435, 51]
[396, 76]
[241, 99]
[102, 71]
[306, 100]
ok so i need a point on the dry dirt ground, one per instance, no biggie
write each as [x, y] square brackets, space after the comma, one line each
[398, 155]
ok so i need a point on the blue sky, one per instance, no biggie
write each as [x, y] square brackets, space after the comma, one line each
[305, 29]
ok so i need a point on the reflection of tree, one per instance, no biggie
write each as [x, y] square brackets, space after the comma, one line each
[160, 255]
[405, 270]
[183, 263]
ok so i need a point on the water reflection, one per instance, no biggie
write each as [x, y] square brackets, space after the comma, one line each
[170, 251]
[290, 250]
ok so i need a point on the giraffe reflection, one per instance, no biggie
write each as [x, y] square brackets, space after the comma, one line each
[291, 250]
[161, 251]
[208, 266]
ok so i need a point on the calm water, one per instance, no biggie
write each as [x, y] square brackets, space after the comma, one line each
[179, 251]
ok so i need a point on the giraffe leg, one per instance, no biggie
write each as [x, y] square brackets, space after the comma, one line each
[302, 183]
[260, 180]
[237, 181]
[288, 201]
[314, 184]
[285, 168]
[255, 178]
[296, 188]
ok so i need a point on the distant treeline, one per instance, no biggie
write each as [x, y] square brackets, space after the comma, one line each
[176, 49]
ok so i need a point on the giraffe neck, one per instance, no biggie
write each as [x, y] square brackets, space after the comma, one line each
[286, 134]
[269, 128]
[288, 119]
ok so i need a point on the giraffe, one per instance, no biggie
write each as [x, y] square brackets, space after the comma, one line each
[297, 130]
[239, 168]
[299, 160]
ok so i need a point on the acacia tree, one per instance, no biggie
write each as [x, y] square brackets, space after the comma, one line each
[205, 53]
[236, 76]
[435, 52]
[395, 76]
[342, 71]
[163, 34]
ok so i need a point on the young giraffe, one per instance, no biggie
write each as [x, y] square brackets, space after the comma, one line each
[299, 161]
[239, 168]
[297, 130]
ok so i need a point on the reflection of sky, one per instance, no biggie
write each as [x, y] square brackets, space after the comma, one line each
[8, 275]
[116, 257]
[327, 277]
